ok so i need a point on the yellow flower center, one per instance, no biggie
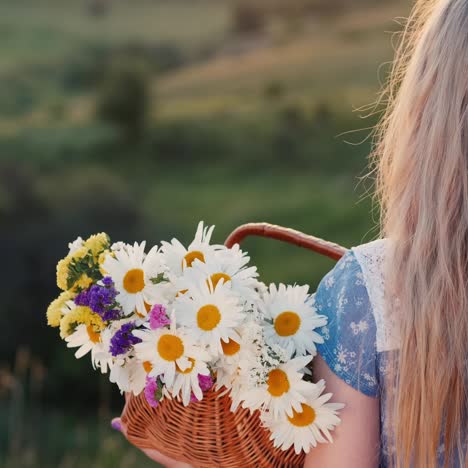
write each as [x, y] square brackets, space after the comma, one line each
[306, 418]
[170, 347]
[277, 382]
[190, 257]
[208, 317]
[217, 277]
[189, 369]
[94, 336]
[134, 281]
[181, 292]
[230, 348]
[287, 323]
[147, 366]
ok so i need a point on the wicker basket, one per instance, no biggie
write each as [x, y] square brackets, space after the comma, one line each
[207, 434]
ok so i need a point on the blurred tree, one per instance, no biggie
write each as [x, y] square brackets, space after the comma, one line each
[249, 17]
[322, 114]
[124, 98]
[99, 8]
[274, 90]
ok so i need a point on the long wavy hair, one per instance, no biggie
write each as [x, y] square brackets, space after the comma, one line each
[420, 160]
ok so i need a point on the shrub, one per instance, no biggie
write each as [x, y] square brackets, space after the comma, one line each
[99, 8]
[124, 98]
[274, 90]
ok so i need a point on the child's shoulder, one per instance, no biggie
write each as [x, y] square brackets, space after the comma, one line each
[354, 290]
[372, 257]
[373, 251]
[361, 265]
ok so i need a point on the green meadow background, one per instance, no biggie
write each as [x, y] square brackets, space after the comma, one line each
[142, 117]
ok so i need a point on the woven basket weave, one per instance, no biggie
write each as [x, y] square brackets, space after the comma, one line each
[207, 434]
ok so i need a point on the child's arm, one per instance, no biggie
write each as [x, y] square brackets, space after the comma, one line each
[357, 438]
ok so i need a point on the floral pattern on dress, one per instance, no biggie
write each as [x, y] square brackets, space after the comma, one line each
[349, 346]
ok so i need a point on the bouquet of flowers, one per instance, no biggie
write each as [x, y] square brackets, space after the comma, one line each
[175, 322]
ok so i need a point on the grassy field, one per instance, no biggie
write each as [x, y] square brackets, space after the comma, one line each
[50, 30]
[335, 63]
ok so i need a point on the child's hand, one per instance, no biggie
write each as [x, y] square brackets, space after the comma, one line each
[154, 455]
[150, 453]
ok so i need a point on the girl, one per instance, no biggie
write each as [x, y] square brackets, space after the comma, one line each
[397, 338]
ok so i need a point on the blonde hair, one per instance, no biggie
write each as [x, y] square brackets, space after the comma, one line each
[420, 160]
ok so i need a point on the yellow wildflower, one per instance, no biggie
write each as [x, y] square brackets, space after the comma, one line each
[102, 258]
[80, 253]
[62, 273]
[78, 315]
[54, 312]
[84, 282]
[97, 242]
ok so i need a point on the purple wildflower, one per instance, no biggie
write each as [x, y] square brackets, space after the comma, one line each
[152, 391]
[158, 317]
[111, 314]
[107, 282]
[82, 299]
[101, 297]
[101, 300]
[123, 340]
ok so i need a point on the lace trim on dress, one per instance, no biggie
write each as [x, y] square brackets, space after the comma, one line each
[371, 258]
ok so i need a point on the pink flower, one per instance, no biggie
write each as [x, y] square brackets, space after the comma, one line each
[158, 317]
[152, 391]
[205, 381]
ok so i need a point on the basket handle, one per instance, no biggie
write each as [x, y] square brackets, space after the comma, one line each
[291, 236]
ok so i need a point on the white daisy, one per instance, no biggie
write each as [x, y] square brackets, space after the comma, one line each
[233, 366]
[166, 350]
[132, 273]
[211, 314]
[119, 246]
[129, 374]
[177, 257]
[86, 339]
[284, 390]
[291, 318]
[102, 358]
[229, 266]
[236, 353]
[186, 381]
[232, 378]
[307, 427]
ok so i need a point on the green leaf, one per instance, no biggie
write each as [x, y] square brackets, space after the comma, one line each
[159, 279]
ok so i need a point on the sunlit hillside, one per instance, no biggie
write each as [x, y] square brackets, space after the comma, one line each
[207, 66]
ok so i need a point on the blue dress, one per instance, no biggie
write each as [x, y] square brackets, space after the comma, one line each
[350, 347]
